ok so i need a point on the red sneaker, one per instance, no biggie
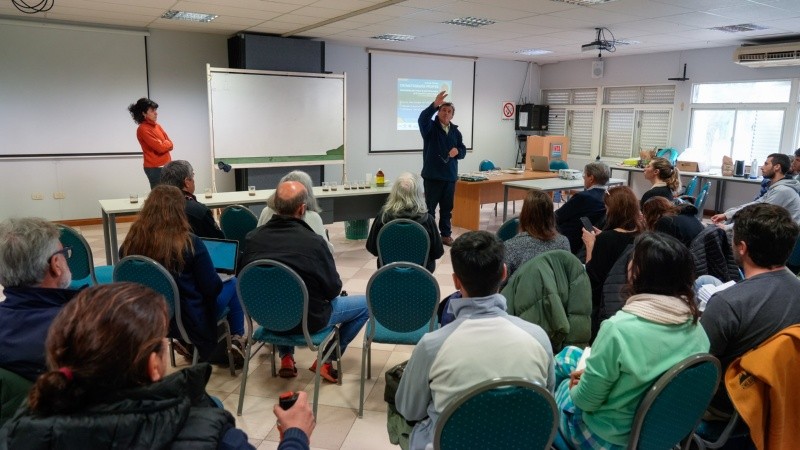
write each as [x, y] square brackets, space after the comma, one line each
[327, 372]
[288, 369]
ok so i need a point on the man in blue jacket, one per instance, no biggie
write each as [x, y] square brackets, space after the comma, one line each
[35, 274]
[442, 148]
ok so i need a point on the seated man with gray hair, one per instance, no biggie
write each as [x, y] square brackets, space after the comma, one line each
[588, 203]
[35, 275]
[179, 173]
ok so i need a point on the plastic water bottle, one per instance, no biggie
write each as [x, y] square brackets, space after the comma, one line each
[754, 169]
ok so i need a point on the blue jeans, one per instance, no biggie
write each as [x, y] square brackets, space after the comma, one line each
[439, 192]
[227, 298]
[350, 312]
[153, 175]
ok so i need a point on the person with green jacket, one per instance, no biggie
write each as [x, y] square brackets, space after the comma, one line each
[657, 328]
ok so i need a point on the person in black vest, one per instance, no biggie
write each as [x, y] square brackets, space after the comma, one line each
[107, 357]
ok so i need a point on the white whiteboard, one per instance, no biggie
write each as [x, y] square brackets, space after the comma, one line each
[274, 118]
[64, 91]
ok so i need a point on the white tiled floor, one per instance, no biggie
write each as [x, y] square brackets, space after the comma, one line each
[338, 426]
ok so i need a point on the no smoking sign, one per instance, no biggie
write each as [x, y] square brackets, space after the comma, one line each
[508, 110]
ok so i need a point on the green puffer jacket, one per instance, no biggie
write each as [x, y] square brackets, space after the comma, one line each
[553, 291]
[173, 413]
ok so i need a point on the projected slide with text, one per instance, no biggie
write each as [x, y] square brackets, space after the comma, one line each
[414, 95]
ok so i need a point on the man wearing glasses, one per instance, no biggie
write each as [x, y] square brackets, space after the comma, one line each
[442, 148]
[35, 275]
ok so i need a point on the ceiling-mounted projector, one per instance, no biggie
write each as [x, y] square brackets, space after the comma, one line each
[596, 46]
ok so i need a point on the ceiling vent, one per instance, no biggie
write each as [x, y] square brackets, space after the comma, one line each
[773, 55]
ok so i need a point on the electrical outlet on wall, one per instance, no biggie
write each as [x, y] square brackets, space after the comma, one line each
[37, 196]
[59, 195]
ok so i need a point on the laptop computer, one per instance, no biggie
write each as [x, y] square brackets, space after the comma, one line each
[224, 254]
[540, 163]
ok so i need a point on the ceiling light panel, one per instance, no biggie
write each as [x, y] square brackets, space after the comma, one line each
[473, 22]
[188, 16]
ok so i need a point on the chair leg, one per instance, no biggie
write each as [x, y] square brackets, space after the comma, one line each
[228, 346]
[364, 355]
[196, 356]
[245, 368]
[339, 359]
[172, 351]
[272, 359]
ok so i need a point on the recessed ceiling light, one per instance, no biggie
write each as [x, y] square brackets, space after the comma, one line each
[533, 52]
[188, 16]
[470, 22]
[740, 28]
[394, 37]
[584, 2]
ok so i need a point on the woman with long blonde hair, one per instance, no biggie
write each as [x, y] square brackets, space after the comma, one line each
[161, 232]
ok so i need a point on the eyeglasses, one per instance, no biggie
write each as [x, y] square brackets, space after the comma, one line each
[66, 251]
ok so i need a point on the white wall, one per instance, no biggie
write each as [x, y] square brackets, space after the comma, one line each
[177, 82]
[494, 138]
[703, 65]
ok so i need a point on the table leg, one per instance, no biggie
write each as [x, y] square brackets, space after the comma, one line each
[106, 237]
[719, 196]
[113, 246]
[505, 203]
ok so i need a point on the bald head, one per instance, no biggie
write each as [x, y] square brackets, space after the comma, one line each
[290, 199]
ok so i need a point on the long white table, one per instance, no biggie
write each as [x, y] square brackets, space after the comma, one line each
[547, 185]
[719, 181]
[337, 206]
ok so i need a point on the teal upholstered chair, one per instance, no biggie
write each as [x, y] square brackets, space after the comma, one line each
[503, 413]
[146, 271]
[691, 187]
[674, 405]
[236, 221]
[275, 297]
[403, 240]
[81, 263]
[508, 229]
[700, 203]
[402, 298]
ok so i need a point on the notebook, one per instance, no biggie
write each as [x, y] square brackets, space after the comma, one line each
[224, 253]
[540, 163]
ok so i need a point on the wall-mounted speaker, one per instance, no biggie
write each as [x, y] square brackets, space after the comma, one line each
[597, 69]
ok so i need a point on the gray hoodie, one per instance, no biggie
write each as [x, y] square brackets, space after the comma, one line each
[785, 192]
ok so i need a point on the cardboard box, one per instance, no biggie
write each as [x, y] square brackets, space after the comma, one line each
[688, 166]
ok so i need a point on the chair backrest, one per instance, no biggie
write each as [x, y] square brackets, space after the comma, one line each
[81, 264]
[701, 198]
[508, 412]
[147, 271]
[274, 296]
[508, 229]
[403, 240]
[794, 257]
[236, 221]
[674, 405]
[558, 164]
[691, 187]
[402, 297]
[486, 165]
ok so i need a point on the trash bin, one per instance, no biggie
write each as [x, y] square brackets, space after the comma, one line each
[356, 229]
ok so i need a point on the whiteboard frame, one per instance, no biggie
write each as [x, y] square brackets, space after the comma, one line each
[342, 162]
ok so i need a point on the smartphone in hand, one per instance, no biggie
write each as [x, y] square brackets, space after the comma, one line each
[587, 224]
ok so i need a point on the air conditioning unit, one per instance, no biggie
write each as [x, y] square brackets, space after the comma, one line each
[772, 55]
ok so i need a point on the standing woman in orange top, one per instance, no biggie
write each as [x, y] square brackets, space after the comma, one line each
[155, 143]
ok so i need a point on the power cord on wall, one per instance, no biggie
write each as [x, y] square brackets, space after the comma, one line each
[42, 6]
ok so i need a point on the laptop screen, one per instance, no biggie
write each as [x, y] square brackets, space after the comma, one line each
[224, 253]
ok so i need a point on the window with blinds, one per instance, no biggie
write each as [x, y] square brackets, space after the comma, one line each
[742, 120]
[641, 125]
[572, 113]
